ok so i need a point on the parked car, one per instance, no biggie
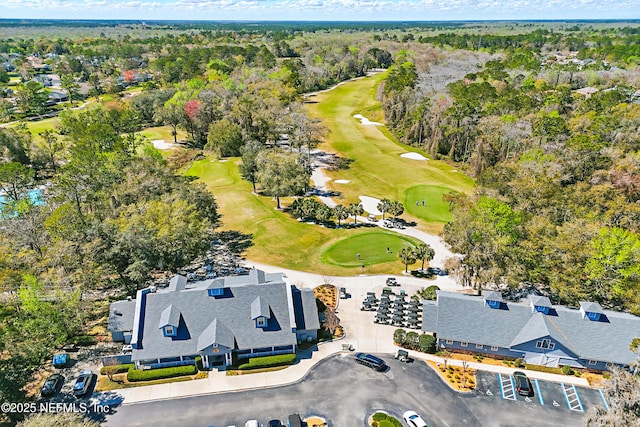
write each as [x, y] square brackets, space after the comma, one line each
[403, 356]
[61, 360]
[371, 361]
[413, 419]
[82, 384]
[523, 386]
[275, 423]
[343, 293]
[52, 384]
[391, 281]
[251, 423]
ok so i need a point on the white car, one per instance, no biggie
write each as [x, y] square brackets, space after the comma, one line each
[413, 419]
[251, 423]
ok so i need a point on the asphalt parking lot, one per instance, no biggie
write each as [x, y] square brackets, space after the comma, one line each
[563, 397]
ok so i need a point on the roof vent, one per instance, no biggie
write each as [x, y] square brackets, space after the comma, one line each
[152, 289]
[117, 312]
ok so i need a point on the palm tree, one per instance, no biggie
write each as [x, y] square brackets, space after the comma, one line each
[323, 213]
[396, 209]
[407, 257]
[383, 206]
[424, 253]
[340, 212]
[356, 209]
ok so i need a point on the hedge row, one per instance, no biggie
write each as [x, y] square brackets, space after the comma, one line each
[269, 361]
[381, 419]
[117, 369]
[160, 373]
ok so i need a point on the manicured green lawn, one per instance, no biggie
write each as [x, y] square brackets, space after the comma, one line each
[278, 238]
[162, 132]
[377, 169]
[434, 209]
[372, 247]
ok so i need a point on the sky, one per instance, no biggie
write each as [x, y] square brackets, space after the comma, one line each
[321, 10]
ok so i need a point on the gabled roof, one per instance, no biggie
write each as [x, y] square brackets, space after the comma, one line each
[260, 308]
[590, 307]
[121, 314]
[233, 310]
[177, 283]
[540, 301]
[169, 316]
[215, 284]
[216, 333]
[465, 318]
[492, 296]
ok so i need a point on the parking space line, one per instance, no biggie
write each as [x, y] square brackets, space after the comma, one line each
[572, 398]
[604, 401]
[538, 392]
[507, 387]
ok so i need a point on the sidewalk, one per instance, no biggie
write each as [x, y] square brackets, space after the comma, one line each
[219, 382]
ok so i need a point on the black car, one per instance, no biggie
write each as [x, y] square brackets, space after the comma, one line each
[274, 423]
[523, 386]
[52, 385]
[83, 382]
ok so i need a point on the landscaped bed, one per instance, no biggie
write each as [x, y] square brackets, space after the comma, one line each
[458, 378]
[380, 419]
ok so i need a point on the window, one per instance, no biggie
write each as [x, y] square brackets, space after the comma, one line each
[169, 331]
[494, 348]
[215, 292]
[479, 346]
[449, 342]
[261, 322]
[464, 344]
[592, 362]
[545, 344]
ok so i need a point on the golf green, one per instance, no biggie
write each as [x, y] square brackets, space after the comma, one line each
[367, 248]
[425, 202]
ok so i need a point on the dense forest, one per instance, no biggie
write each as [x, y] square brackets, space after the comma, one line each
[91, 207]
[556, 207]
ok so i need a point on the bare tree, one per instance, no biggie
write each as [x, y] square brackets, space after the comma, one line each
[331, 321]
[622, 393]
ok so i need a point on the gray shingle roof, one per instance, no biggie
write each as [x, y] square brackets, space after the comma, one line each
[177, 283]
[121, 315]
[310, 311]
[169, 316]
[216, 333]
[462, 317]
[492, 296]
[233, 310]
[591, 307]
[540, 301]
[259, 308]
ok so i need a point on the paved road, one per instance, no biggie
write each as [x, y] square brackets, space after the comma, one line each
[346, 394]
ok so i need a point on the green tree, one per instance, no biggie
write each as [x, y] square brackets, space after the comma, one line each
[225, 138]
[31, 98]
[356, 209]
[384, 206]
[15, 180]
[424, 252]
[399, 336]
[407, 257]
[249, 165]
[340, 212]
[281, 174]
[68, 83]
[396, 209]
[323, 213]
[427, 343]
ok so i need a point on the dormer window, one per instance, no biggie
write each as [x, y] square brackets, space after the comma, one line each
[541, 304]
[170, 321]
[493, 299]
[261, 322]
[170, 331]
[592, 311]
[216, 292]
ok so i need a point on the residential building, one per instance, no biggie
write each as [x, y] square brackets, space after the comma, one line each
[537, 332]
[219, 319]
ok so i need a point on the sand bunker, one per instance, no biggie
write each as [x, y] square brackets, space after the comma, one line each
[370, 204]
[413, 156]
[365, 121]
[161, 144]
[342, 181]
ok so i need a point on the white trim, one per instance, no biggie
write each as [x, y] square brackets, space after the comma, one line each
[479, 346]
[494, 348]
[463, 344]
[593, 362]
[292, 313]
[449, 342]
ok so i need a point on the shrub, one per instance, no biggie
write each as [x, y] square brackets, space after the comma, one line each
[519, 363]
[269, 361]
[566, 370]
[399, 336]
[84, 340]
[411, 340]
[117, 369]
[427, 343]
[386, 423]
[160, 373]
[379, 416]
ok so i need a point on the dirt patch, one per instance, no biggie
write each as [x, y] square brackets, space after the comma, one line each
[315, 422]
[459, 379]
